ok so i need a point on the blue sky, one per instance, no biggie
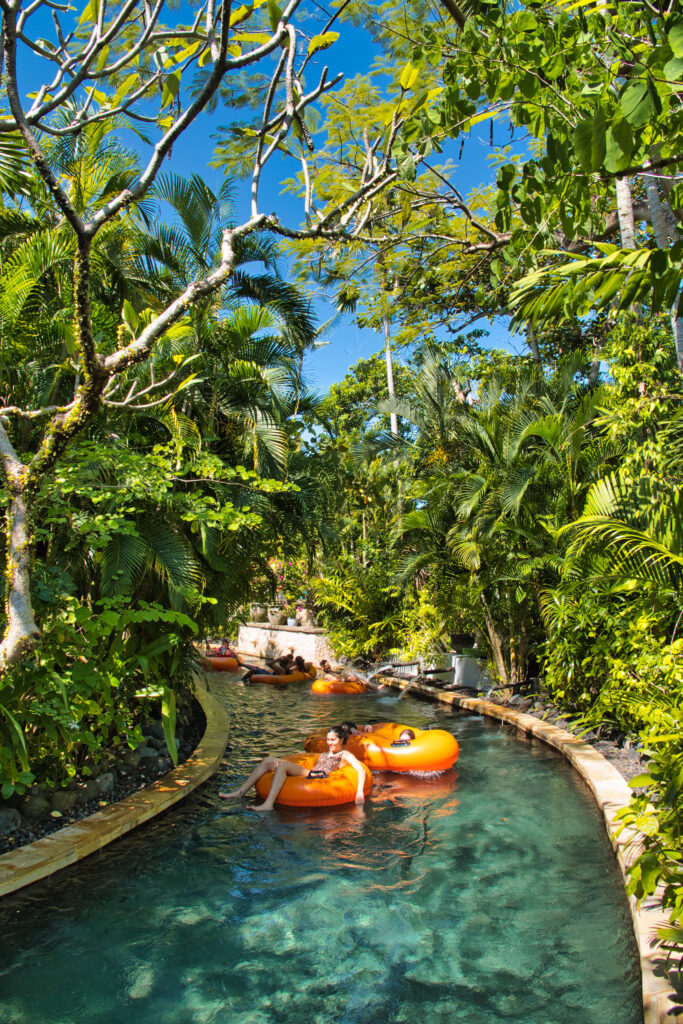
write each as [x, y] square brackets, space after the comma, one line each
[353, 54]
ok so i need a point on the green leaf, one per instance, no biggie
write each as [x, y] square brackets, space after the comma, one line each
[553, 67]
[619, 145]
[637, 103]
[650, 872]
[171, 88]
[274, 15]
[644, 779]
[168, 720]
[123, 90]
[406, 168]
[130, 317]
[675, 37]
[102, 59]
[70, 340]
[90, 13]
[523, 21]
[589, 140]
[409, 76]
[322, 42]
[505, 176]
[242, 13]
[528, 85]
[673, 69]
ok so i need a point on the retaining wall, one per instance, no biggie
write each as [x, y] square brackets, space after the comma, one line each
[45, 856]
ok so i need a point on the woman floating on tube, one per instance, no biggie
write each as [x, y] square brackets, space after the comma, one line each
[325, 764]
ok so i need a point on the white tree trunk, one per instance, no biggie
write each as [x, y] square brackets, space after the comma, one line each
[627, 225]
[390, 374]
[21, 624]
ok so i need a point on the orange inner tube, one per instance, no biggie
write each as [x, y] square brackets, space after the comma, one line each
[299, 791]
[293, 677]
[328, 685]
[220, 663]
[432, 750]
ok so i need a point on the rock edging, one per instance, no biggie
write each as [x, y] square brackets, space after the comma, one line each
[612, 794]
[38, 860]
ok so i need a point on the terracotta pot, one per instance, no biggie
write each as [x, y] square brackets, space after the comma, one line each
[258, 612]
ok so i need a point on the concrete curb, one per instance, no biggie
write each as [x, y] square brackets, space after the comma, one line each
[611, 792]
[38, 860]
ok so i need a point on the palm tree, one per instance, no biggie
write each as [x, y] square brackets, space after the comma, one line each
[497, 476]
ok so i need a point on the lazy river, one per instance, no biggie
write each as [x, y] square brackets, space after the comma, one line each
[489, 894]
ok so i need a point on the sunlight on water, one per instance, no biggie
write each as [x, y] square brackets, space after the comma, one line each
[487, 894]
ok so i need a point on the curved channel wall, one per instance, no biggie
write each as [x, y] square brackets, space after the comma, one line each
[37, 860]
[612, 794]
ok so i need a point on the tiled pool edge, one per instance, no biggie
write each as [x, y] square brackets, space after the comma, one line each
[611, 793]
[44, 857]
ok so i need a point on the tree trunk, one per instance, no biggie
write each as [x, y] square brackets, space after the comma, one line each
[664, 227]
[365, 537]
[625, 213]
[533, 344]
[390, 374]
[21, 624]
[496, 645]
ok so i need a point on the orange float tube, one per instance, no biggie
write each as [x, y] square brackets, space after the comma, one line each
[220, 663]
[333, 686]
[339, 787]
[432, 750]
[293, 677]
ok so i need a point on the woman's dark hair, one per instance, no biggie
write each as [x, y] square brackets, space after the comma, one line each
[300, 663]
[340, 731]
[407, 734]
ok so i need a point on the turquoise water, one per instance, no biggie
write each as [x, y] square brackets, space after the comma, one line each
[487, 895]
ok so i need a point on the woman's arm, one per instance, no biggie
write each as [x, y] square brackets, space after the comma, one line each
[351, 759]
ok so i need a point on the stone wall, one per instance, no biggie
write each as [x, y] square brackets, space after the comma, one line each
[260, 639]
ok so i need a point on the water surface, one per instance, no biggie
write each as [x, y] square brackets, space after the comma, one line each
[489, 894]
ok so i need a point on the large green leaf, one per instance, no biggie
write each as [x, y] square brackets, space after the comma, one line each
[675, 37]
[640, 102]
[589, 141]
[618, 145]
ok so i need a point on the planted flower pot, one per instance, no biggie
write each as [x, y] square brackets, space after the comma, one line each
[307, 618]
[258, 612]
[275, 617]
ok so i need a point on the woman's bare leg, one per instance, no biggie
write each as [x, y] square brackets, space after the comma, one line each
[283, 769]
[268, 764]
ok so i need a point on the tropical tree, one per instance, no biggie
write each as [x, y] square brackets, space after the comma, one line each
[110, 67]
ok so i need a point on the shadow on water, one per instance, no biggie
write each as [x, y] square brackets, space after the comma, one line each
[486, 894]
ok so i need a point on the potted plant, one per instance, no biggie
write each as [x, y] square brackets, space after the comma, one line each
[258, 612]
[306, 617]
[290, 612]
[275, 616]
